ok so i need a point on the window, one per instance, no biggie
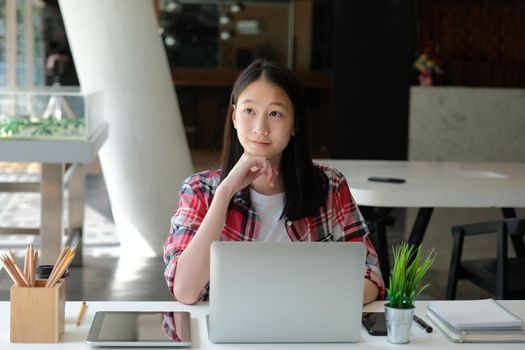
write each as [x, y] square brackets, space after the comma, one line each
[21, 43]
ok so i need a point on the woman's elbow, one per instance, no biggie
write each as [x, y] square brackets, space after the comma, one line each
[184, 296]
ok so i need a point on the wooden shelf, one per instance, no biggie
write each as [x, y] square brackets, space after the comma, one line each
[205, 77]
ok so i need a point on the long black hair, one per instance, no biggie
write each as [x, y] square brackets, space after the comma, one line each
[305, 185]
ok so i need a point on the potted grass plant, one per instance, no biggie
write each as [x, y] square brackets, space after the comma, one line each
[404, 287]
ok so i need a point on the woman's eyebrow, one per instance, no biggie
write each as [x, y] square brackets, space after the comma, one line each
[246, 101]
[277, 103]
[281, 104]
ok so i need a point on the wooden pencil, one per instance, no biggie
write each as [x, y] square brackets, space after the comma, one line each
[64, 264]
[29, 259]
[63, 253]
[17, 272]
[57, 263]
[10, 271]
[35, 264]
[17, 269]
[14, 267]
[81, 313]
[26, 263]
[32, 264]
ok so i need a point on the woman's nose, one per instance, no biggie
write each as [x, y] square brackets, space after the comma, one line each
[260, 127]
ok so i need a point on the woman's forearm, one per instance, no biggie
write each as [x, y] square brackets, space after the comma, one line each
[193, 267]
[370, 292]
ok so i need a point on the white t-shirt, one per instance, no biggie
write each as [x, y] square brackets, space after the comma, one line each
[269, 209]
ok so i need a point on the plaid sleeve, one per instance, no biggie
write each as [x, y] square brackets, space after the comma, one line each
[354, 229]
[169, 326]
[185, 222]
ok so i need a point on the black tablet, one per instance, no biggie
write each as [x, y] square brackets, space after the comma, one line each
[140, 329]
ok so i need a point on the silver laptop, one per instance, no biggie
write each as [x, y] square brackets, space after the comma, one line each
[285, 292]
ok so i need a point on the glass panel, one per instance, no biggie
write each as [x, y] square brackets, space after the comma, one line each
[190, 32]
[3, 75]
[225, 34]
[20, 43]
[38, 44]
[58, 113]
[35, 55]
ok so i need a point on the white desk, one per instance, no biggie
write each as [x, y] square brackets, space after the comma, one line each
[74, 337]
[435, 184]
[53, 154]
[432, 185]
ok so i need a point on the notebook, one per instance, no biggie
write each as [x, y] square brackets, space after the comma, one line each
[271, 292]
[475, 314]
[476, 336]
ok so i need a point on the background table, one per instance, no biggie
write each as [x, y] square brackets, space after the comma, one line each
[432, 185]
[435, 184]
[54, 154]
[75, 337]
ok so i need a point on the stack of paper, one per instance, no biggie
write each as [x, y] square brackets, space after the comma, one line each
[476, 321]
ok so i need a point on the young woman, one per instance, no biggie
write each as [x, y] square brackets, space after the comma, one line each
[267, 189]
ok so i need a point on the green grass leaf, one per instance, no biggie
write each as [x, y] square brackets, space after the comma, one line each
[407, 275]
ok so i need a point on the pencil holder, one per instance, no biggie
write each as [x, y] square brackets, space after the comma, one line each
[37, 313]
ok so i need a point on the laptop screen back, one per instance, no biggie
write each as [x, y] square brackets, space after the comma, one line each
[286, 292]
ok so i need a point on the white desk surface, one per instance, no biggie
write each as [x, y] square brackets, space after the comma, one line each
[75, 337]
[435, 184]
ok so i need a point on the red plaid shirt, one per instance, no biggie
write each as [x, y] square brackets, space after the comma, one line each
[341, 221]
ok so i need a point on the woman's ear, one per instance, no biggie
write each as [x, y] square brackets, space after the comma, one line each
[234, 120]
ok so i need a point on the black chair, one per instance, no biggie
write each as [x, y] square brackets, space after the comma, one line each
[502, 275]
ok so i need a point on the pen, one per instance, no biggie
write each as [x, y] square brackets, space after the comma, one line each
[81, 313]
[423, 324]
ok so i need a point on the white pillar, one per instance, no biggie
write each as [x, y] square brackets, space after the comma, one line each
[117, 49]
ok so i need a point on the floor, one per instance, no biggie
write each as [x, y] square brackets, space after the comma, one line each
[106, 276]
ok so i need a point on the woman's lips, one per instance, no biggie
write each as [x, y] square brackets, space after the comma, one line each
[260, 143]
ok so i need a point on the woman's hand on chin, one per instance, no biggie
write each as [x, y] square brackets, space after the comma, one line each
[247, 169]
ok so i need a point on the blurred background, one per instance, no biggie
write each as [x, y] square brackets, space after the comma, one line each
[434, 80]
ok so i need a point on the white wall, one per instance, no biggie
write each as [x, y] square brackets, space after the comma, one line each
[467, 124]
[117, 49]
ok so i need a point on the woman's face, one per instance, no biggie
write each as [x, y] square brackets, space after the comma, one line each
[264, 119]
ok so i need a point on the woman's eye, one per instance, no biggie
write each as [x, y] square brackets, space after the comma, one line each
[275, 114]
[248, 111]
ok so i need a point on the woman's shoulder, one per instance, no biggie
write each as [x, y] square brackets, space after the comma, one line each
[208, 179]
[334, 176]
